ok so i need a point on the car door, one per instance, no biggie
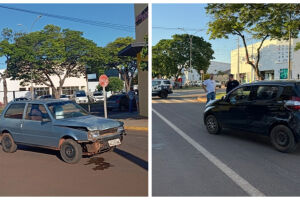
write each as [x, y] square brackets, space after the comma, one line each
[264, 107]
[37, 126]
[12, 120]
[234, 105]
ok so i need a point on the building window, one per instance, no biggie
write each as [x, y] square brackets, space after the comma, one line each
[69, 90]
[42, 91]
[22, 89]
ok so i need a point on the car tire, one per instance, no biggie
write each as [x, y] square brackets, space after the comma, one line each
[164, 94]
[8, 144]
[283, 139]
[71, 151]
[212, 125]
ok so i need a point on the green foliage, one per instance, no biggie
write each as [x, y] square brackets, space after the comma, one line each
[206, 76]
[50, 52]
[260, 21]
[169, 57]
[297, 47]
[115, 85]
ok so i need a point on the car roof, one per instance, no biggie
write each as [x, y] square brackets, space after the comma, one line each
[273, 82]
[160, 80]
[41, 101]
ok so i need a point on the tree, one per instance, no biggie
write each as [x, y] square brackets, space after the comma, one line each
[7, 38]
[115, 85]
[40, 56]
[297, 47]
[261, 21]
[126, 65]
[170, 57]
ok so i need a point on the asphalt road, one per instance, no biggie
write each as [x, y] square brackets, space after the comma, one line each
[39, 172]
[185, 160]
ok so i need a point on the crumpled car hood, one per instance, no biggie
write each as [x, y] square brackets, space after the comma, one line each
[90, 122]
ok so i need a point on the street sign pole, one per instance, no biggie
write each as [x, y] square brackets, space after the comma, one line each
[103, 81]
[105, 107]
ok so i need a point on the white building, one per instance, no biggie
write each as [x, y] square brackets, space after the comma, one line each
[15, 89]
[273, 61]
[191, 75]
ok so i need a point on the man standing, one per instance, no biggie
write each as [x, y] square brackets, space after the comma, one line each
[209, 87]
[231, 84]
[131, 95]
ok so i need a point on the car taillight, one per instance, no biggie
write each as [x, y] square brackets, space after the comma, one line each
[293, 104]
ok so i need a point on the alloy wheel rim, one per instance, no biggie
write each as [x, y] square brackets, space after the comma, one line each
[70, 151]
[282, 138]
[211, 124]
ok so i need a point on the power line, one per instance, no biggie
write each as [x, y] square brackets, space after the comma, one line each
[121, 27]
[176, 28]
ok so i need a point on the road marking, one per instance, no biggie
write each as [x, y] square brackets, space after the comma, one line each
[235, 177]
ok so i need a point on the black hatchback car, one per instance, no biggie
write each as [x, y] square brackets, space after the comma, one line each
[271, 108]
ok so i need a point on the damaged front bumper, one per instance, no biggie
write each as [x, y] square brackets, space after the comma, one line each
[104, 141]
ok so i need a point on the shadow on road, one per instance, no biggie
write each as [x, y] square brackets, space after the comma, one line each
[136, 160]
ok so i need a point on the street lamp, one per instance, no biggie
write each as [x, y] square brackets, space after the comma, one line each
[31, 71]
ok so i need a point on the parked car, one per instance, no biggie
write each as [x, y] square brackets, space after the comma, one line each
[60, 125]
[161, 88]
[20, 99]
[64, 97]
[48, 96]
[218, 84]
[270, 108]
[119, 102]
[80, 97]
[98, 96]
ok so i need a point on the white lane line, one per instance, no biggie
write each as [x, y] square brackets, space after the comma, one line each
[236, 178]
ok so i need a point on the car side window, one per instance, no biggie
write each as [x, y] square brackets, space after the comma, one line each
[15, 111]
[240, 95]
[36, 112]
[266, 92]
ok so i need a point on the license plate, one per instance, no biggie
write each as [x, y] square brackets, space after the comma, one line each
[114, 142]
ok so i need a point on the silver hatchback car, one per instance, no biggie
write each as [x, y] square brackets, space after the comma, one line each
[60, 125]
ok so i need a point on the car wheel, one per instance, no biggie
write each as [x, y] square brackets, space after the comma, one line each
[8, 144]
[212, 125]
[282, 138]
[71, 151]
[164, 94]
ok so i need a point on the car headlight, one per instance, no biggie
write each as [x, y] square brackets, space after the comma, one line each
[121, 129]
[92, 135]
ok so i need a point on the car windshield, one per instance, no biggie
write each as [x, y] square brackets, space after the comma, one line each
[63, 96]
[80, 94]
[154, 83]
[63, 110]
[97, 94]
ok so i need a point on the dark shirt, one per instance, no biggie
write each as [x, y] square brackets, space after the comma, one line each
[231, 85]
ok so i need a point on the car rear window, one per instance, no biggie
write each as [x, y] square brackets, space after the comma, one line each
[113, 97]
[15, 111]
[167, 82]
[287, 93]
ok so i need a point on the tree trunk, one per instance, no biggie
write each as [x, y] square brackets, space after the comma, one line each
[55, 92]
[4, 90]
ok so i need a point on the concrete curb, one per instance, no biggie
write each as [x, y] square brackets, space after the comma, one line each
[136, 128]
[201, 100]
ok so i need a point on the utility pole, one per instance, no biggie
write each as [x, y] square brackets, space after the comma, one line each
[289, 55]
[238, 60]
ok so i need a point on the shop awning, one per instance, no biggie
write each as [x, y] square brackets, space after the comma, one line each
[132, 49]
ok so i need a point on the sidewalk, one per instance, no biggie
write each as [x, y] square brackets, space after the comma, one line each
[135, 124]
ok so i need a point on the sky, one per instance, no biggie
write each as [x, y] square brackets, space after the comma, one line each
[189, 16]
[122, 14]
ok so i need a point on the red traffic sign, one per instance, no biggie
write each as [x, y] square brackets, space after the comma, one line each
[103, 80]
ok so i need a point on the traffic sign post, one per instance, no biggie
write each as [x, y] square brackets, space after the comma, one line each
[103, 81]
